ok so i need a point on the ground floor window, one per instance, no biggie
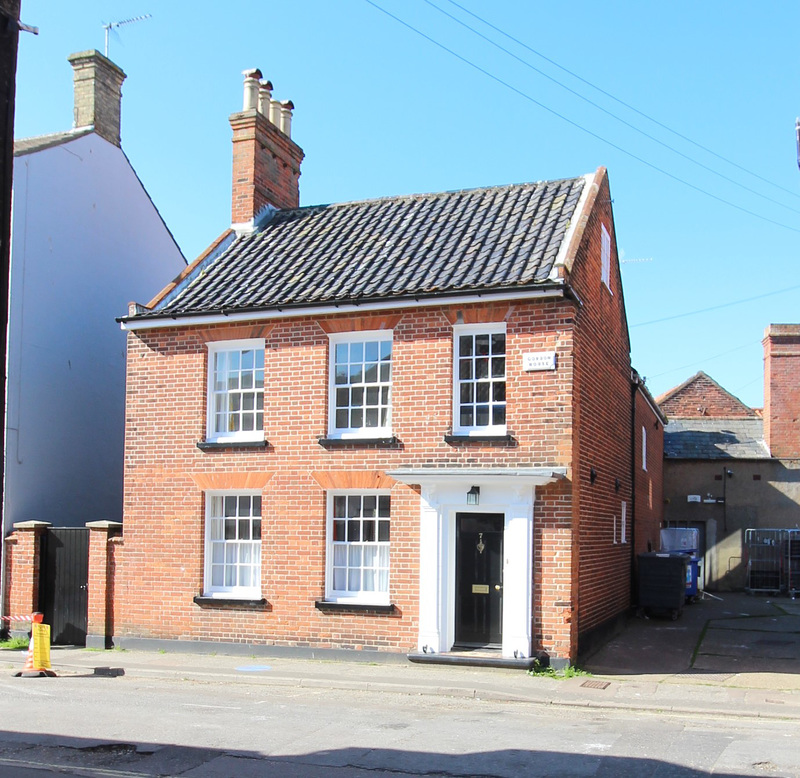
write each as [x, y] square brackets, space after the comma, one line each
[358, 547]
[233, 545]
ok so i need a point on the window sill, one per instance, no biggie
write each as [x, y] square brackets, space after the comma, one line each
[228, 602]
[327, 442]
[500, 440]
[353, 607]
[212, 445]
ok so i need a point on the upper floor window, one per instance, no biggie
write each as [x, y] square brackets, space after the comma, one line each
[360, 384]
[644, 448]
[480, 379]
[233, 545]
[358, 547]
[235, 390]
[605, 256]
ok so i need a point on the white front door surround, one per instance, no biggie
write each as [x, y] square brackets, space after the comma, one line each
[510, 492]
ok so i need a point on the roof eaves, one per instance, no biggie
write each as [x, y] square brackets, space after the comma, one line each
[25, 146]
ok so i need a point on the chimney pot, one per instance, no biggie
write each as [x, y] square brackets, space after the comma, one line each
[275, 112]
[286, 118]
[251, 89]
[264, 97]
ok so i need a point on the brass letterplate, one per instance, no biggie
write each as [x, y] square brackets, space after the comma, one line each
[480, 588]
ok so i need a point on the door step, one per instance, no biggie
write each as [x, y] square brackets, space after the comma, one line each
[473, 659]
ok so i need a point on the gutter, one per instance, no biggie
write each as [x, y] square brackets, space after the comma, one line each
[165, 320]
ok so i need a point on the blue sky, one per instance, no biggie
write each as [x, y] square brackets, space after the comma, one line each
[382, 110]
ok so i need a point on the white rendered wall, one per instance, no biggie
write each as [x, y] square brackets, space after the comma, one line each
[86, 240]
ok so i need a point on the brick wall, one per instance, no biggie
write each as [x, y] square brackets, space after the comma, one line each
[602, 423]
[22, 568]
[165, 473]
[782, 390]
[702, 396]
[98, 94]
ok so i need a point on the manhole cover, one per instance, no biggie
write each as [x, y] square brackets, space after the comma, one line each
[595, 684]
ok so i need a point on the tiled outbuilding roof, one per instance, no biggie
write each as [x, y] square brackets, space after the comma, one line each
[40, 142]
[715, 438]
[392, 248]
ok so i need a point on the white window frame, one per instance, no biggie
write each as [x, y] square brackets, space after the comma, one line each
[360, 597]
[381, 385]
[475, 329]
[215, 348]
[644, 448]
[605, 256]
[231, 592]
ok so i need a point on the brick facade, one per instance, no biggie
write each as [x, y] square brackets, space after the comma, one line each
[98, 94]
[782, 390]
[700, 396]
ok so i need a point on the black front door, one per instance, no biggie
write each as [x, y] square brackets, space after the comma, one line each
[479, 579]
[63, 591]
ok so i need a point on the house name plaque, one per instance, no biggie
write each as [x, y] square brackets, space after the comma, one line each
[539, 360]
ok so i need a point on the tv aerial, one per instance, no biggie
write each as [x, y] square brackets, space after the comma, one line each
[113, 26]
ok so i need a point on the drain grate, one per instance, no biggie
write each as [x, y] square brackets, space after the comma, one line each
[595, 684]
[705, 676]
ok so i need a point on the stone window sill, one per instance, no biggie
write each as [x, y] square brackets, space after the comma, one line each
[354, 607]
[209, 445]
[327, 442]
[231, 602]
[500, 440]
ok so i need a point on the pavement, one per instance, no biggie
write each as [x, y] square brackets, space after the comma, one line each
[728, 655]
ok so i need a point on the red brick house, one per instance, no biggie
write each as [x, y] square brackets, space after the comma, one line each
[404, 424]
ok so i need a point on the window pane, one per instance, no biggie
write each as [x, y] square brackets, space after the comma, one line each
[354, 580]
[218, 553]
[244, 529]
[383, 532]
[467, 392]
[256, 529]
[356, 352]
[370, 556]
[230, 529]
[353, 505]
[466, 417]
[339, 506]
[499, 414]
[499, 391]
[465, 346]
[341, 419]
[256, 505]
[338, 530]
[386, 350]
[384, 504]
[386, 372]
[368, 582]
[498, 367]
[499, 343]
[354, 556]
[230, 506]
[481, 368]
[354, 531]
[370, 504]
[340, 352]
[371, 417]
[340, 556]
[465, 369]
[217, 575]
[482, 416]
[481, 345]
[371, 351]
[372, 395]
[482, 392]
[368, 530]
[339, 578]
[244, 576]
[341, 374]
[357, 419]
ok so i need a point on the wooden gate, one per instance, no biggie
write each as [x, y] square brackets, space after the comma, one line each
[63, 586]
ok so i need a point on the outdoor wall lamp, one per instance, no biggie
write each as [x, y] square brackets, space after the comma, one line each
[474, 495]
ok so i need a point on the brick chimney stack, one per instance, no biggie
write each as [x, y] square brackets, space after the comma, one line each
[782, 390]
[98, 94]
[266, 161]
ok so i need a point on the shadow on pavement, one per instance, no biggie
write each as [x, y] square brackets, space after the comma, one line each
[31, 756]
[731, 632]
